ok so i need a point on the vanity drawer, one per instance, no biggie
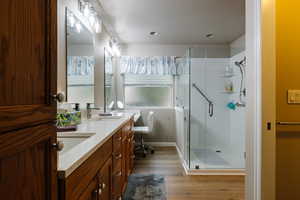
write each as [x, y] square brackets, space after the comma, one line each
[117, 141]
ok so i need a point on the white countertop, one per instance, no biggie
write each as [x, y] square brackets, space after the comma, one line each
[99, 131]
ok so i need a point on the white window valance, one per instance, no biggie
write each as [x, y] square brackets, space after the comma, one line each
[156, 65]
[80, 65]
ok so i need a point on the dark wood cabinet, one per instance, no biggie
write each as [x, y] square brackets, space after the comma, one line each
[28, 63]
[91, 192]
[28, 164]
[105, 182]
[104, 175]
[28, 159]
[129, 148]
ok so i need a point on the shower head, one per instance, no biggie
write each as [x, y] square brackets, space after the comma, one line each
[241, 63]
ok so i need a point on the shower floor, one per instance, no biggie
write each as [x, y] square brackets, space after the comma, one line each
[208, 159]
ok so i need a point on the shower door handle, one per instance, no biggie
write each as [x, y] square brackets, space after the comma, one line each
[211, 109]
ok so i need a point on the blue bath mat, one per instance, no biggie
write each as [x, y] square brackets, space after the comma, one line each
[145, 187]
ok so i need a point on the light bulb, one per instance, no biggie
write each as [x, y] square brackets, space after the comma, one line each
[78, 27]
[97, 27]
[92, 20]
[72, 20]
[86, 10]
[116, 50]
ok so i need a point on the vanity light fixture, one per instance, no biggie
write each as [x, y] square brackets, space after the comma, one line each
[113, 48]
[92, 20]
[86, 9]
[98, 26]
[89, 12]
[116, 50]
[71, 20]
[78, 27]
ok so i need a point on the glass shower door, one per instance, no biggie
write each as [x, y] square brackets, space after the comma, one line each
[216, 131]
[182, 106]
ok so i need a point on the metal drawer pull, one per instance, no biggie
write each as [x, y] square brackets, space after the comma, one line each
[119, 174]
[289, 123]
[103, 185]
[58, 145]
[99, 191]
[118, 156]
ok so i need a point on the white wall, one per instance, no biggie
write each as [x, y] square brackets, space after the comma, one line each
[237, 46]
[214, 51]
[164, 124]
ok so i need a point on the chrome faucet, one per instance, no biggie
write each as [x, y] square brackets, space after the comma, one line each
[89, 110]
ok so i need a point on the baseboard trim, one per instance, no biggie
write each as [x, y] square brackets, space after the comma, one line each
[182, 161]
[217, 172]
[161, 144]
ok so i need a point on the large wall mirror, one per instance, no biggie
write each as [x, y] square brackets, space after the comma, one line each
[80, 61]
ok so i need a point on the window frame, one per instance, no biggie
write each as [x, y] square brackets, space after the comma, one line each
[171, 86]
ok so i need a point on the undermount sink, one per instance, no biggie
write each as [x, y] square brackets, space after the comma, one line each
[70, 140]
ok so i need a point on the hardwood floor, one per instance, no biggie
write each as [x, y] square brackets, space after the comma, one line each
[166, 162]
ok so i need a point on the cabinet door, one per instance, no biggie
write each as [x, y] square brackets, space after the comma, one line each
[28, 63]
[28, 164]
[132, 155]
[27, 81]
[91, 192]
[120, 186]
[129, 154]
[105, 181]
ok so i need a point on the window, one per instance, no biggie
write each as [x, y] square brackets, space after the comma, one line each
[148, 90]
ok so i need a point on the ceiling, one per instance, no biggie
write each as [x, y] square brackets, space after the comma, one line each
[177, 21]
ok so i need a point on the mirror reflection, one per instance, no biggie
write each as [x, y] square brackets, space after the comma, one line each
[80, 61]
[109, 94]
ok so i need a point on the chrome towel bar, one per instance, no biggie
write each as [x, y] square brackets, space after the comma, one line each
[289, 123]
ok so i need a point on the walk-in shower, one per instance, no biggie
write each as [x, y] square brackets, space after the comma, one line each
[210, 109]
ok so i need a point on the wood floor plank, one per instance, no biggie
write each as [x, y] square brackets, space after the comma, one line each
[166, 162]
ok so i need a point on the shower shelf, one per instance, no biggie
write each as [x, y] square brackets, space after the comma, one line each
[228, 92]
[228, 75]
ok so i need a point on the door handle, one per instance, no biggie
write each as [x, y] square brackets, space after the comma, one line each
[58, 145]
[59, 97]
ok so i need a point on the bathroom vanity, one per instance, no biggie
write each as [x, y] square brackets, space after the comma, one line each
[97, 160]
